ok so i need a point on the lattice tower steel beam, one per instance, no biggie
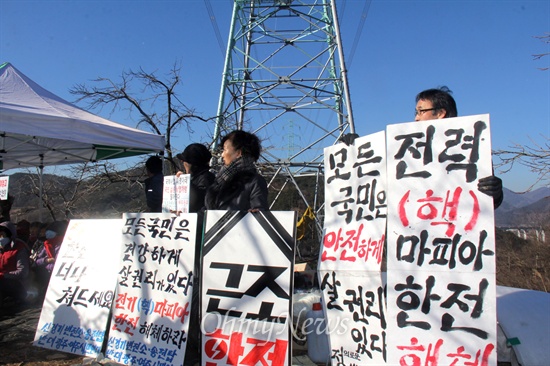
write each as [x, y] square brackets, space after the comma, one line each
[284, 73]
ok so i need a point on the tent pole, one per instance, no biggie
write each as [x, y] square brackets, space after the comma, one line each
[41, 172]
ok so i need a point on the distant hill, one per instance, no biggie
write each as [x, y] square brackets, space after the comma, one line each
[524, 199]
[524, 209]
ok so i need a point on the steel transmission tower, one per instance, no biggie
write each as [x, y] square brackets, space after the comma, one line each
[284, 62]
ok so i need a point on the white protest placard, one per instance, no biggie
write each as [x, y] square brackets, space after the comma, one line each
[154, 286]
[4, 185]
[355, 205]
[355, 306]
[81, 289]
[351, 252]
[441, 247]
[246, 287]
[175, 193]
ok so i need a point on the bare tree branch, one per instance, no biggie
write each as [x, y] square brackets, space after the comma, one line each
[83, 190]
[544, 39]
[153, 99]
[536, 157]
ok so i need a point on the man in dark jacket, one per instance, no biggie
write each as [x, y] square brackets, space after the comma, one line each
[154, 184]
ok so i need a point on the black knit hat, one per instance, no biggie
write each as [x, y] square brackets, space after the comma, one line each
[8, 228]
[196, 155]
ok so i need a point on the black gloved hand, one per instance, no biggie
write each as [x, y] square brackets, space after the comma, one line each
[492, 186]
[349, 138]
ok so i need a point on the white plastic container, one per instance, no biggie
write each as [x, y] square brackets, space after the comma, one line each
[318, 349]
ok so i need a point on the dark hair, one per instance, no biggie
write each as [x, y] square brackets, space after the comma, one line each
[23, 224]
[6, 231]
[247, 142]
[441, 99]
[197, 155]
[154, 164]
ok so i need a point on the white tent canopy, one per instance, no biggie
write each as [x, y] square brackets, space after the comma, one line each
[38, 128]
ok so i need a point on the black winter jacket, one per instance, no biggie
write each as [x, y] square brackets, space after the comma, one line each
[200, 182]
[248, 190]
[153, 192]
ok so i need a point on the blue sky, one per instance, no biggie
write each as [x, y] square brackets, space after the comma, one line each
[482, 50]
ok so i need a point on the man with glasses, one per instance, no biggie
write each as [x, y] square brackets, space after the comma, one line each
[437, 104]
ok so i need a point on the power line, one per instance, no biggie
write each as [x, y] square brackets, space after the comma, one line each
[364, 14]
[215, 26]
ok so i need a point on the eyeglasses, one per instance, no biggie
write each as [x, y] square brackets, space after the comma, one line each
[421, 111]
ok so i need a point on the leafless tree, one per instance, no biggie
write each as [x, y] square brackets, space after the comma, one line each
[536, 157]
[79, 191]
[90, 181]
[154, 99]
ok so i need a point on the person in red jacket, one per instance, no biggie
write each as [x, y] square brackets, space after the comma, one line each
[14, 263]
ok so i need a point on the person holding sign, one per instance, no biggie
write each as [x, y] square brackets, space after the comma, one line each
[238, 185]
[439, 103]
[196, 162]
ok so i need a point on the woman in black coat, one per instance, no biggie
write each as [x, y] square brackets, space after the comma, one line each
[238, 185]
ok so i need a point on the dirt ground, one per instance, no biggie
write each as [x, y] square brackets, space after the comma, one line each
[17, 328]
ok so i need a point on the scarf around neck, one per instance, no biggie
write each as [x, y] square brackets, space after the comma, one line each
[228, 172]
